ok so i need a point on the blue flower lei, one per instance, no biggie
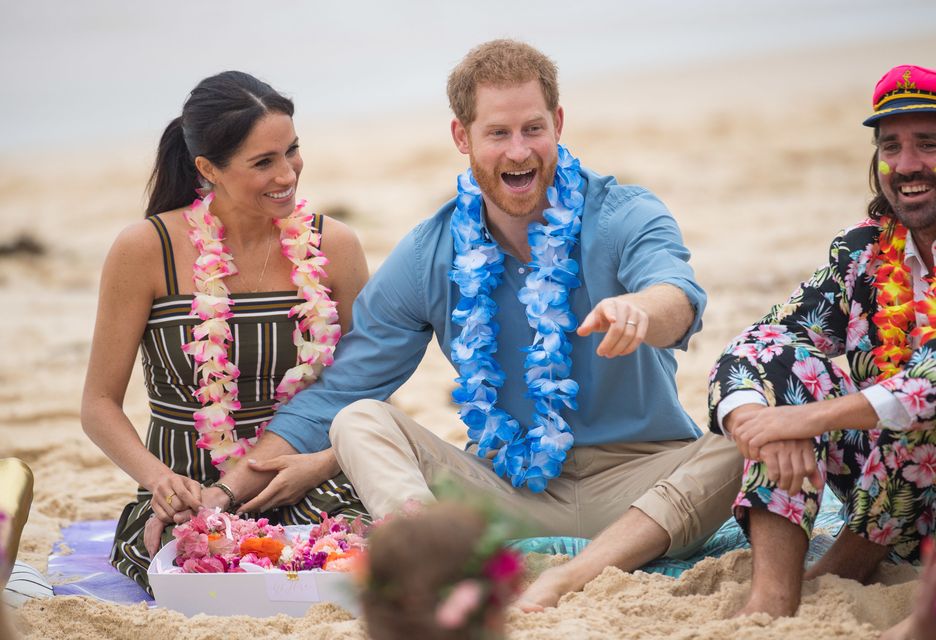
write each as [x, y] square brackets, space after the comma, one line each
[534, 455]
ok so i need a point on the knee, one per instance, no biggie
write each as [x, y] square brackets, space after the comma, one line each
[360, 416]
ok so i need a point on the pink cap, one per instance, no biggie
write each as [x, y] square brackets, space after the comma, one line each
[903, 89]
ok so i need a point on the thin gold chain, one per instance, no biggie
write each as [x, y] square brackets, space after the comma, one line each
[266, 261]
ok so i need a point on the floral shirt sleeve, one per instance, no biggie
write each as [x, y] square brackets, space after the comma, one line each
[784, 356]
[915, 387]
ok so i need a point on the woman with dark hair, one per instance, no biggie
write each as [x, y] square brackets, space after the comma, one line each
[229, 326]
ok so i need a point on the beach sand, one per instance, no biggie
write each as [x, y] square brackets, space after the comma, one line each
[761, 160]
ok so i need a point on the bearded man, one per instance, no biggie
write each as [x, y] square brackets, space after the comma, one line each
[801, 422]
[558, 296]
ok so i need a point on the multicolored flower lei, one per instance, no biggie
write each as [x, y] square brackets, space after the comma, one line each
[317, 318]
[897, 309]
[217, 542]
[534, 455]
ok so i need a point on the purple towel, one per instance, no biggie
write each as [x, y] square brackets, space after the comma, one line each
[81, 560]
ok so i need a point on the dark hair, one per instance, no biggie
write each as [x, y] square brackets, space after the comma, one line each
[879, 206]
[217, 117]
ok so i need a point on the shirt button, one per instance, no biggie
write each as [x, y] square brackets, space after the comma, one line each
[521, 270]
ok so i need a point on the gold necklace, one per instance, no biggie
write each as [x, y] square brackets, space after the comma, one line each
[265, 262]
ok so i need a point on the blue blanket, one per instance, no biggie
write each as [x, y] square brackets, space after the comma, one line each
[728, 538]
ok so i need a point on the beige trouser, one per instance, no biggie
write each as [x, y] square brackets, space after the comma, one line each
[685, 486]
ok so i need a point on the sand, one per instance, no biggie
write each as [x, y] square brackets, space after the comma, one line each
[761, 161]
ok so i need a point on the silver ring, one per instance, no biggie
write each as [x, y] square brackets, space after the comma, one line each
[631, 322]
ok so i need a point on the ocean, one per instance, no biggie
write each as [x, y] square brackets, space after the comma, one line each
[103, 71]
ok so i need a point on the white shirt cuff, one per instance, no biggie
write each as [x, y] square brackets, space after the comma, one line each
[734, 400]
[890, 412]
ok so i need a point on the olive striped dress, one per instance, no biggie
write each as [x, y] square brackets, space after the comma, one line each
[262, 349]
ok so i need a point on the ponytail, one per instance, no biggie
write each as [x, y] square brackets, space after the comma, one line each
[174, 179]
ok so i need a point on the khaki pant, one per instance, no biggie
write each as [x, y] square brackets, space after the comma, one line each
[685, 486]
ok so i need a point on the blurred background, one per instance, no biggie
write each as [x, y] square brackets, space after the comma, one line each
[108, 72]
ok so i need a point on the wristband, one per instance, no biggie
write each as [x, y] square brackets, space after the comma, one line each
[230, 494]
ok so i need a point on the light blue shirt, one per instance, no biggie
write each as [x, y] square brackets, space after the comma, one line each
[629, 242]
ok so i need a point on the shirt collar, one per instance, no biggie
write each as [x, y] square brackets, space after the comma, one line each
[912, 253]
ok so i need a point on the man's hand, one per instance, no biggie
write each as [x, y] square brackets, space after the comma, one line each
[296, 475]
[789, 462]
[624, 322]
[754, 426]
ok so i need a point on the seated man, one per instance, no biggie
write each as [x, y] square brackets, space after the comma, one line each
[517, 277]
[796, 416]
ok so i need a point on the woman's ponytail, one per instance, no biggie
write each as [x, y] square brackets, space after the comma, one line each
[174, 179]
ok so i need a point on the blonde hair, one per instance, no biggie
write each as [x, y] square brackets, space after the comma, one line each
[499, 63]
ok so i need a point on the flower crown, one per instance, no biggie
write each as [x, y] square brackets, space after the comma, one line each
[493, 579]
[488, 580]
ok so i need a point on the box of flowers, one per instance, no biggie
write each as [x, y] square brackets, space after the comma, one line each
[224, 564]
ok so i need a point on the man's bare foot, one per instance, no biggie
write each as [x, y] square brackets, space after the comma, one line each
[776, 605]
[850, 556]
[544, 592]
[778, 548]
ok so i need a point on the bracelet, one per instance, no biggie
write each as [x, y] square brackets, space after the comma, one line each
[230, 494]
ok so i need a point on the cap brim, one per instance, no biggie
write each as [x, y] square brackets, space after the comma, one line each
[896, 111]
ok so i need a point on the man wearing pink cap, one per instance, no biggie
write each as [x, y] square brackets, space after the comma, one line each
[801, 422]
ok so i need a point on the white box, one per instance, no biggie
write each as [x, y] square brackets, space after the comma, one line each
[260, 594]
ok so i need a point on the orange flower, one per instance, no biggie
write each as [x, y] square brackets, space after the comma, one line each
[263, 547]
[896, 312]
[349, 560]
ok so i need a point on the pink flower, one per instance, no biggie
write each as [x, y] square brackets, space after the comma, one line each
[872, 469]
[747, 350]
[789, 507]
[926, 523]
[503, 566]
[835, 459]
[913, 396]
[454, 611]
[812, 373]
[211, 564]
[190, 543]
[824, 342]
[260, 561]
[328, 545]
[857, 326]
[896, 455]
[771, 333]
[923, 472]
[769, 353]
[885, 535]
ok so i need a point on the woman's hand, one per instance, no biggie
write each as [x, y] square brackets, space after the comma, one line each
[174, 493]
[296, 475]
[152, 534]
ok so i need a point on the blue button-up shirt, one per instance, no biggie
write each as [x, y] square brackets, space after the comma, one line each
[629, 242]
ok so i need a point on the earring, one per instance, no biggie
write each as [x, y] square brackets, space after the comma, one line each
[204, 188]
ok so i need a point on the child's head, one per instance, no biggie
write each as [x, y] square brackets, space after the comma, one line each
[442, 574]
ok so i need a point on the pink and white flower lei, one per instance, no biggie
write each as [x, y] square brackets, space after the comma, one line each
[317, 319]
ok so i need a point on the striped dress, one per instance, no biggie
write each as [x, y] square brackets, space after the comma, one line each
[263, 350]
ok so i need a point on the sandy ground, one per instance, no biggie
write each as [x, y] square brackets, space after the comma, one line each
[760, 160]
